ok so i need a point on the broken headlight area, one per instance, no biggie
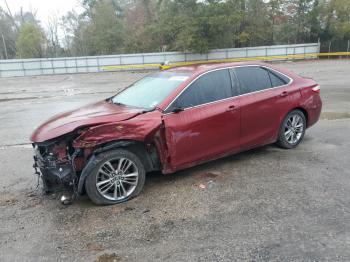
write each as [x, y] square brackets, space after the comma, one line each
[58, 164]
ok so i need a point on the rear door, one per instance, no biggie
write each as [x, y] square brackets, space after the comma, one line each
[209, 124]
[264, 101]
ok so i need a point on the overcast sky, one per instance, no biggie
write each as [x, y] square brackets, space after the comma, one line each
[44, 8]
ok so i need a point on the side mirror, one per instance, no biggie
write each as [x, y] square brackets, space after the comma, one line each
[177, 110]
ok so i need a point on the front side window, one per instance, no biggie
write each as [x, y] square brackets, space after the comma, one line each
[252, 79]
[212, 86]
[151, 90]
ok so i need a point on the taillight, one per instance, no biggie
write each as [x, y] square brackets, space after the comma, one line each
[316, 88]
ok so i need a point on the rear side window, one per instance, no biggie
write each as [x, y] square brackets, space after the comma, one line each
[208, 88]
[252, 79]
[277, 79]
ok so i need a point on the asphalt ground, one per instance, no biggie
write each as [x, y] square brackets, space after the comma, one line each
[267, 204]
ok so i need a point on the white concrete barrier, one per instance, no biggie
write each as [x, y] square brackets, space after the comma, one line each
[71, 65]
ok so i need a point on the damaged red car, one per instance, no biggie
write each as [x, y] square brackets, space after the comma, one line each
[172, 120]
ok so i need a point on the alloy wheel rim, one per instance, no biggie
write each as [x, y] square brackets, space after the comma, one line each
[294, 129]
[117, 178]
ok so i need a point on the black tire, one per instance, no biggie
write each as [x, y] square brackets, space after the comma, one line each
[282, 139]
[91, 181]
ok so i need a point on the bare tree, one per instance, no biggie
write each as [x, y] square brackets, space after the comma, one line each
[52, 35]
[10, 15]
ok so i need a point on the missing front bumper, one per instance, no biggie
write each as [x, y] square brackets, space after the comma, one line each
[54, 176]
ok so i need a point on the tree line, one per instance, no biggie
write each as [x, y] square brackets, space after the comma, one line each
[132, 26]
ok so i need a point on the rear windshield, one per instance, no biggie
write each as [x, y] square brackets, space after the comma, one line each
[151, 90]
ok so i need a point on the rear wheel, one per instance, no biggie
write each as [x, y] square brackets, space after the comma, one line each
[292, 129]
[118, 176]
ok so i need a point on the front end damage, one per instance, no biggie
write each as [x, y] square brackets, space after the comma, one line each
[58, 164]
[65, 162]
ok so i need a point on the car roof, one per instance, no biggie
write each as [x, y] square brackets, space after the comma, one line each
[204, 67]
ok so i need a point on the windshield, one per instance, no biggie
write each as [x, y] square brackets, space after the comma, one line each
[151, 90]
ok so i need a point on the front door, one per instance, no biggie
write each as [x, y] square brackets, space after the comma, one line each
[204, 121]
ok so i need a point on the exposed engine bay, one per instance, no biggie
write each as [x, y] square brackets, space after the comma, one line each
[58, 163]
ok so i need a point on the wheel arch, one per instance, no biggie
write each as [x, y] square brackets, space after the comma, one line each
[147, 153]
[304, 111]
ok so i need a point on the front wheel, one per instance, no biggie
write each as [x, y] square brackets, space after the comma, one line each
[118, 176]
[292, 129]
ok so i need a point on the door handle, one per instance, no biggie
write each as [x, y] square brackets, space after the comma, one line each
[284, 93]
[231, 108]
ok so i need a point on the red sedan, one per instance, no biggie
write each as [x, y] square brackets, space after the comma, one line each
[172, 120]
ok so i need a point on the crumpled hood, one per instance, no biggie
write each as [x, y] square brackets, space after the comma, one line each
[94, 114]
